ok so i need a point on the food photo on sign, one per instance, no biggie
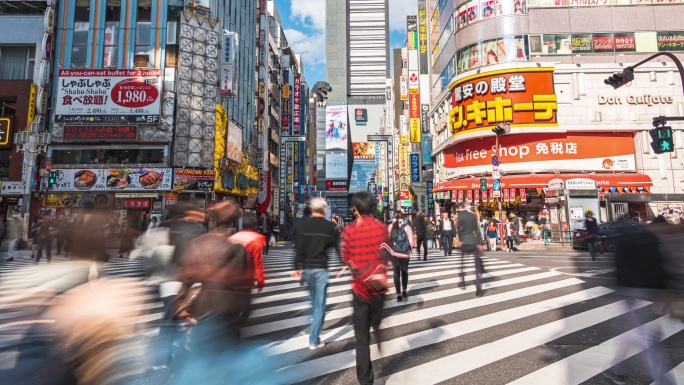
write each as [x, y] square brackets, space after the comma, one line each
[198, 180]
[112, 179]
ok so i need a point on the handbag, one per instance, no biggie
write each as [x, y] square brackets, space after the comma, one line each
[376, 282]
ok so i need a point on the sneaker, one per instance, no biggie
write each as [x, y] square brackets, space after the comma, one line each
[316, 346]
[616, 378]
[400, 298]
[405, 294]
[10, 259]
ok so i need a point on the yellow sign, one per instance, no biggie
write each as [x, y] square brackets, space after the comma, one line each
[403, 139]
[33, 98]
[286, 92]
[404, 177]
[412, 40]
[523, 96]
[262, 89]
[414, 129]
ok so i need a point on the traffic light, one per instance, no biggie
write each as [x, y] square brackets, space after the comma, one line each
[662, 139]
[52, 177]
[619, 79]
[483, 184]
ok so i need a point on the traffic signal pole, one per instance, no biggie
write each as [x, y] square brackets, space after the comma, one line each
[499, 200]
[676, 61]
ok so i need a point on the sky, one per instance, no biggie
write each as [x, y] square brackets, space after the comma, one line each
[304, 26]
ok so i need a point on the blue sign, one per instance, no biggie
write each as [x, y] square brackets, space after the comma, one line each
[497, 184]
[427, 149]
[430, 197]
[415, 167]
[495, 160]
[613, 190]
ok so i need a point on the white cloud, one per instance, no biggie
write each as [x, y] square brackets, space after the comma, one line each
[309, 13]
[398, 10]
[311, 47]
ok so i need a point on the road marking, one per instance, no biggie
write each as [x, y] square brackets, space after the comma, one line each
[587, 274]
[460, 363]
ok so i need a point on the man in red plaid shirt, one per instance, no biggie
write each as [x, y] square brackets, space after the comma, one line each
[360, 248]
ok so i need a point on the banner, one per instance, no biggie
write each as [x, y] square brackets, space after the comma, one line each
[336, 128]
[113, 179]
[264, 197]
[423, 36]
[296, 105]
[426, 147]
[108, 96]
[403, 87]
[415, 167]
[193, 180]
[403, 158]
[229, 74]
[336, 166]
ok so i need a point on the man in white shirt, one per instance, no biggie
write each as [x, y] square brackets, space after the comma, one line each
[447, 229]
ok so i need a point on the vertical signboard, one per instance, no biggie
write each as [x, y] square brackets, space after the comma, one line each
[302, 164]
[411, 28]
[389, 115]
[403, 87]
[296, 105]
[228, 74]
[426, 147]
[430, 197]
[422, 37]
[424, 119]
[415, 167]
[403, 130]
[404, 180]
[414, 117]
[336, 132]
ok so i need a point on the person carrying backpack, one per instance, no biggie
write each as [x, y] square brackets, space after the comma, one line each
[401, 236]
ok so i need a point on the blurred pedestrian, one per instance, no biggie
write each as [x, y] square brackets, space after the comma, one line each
[266, 228]
[126, 234]
[60, 226]
[253, 242]
[154, 223]
[15, 232]
[431, 233]
[69, 231]
[515, 226]
[145, 223]
[468, 230]
[420, 230]
[492, 236]
[360, 250]
[592, 238]
[46, 232]
[447, 231]
[90, 235]
[314, 237]
[34, 228]
[401, 237]
[508, 226]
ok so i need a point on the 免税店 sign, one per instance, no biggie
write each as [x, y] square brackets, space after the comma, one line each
[519, 96]
[544, 152]
[648, 100]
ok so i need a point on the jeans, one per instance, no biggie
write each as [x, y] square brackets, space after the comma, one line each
[317, 281]
[447, 242]
[367, 313]
[422, 241]
[517, 238]
[400, 266]
[44, 245]
[592, 249]
[13, 246]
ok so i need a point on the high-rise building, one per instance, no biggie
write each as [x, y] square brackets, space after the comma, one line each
[357, 66]
[539, 66]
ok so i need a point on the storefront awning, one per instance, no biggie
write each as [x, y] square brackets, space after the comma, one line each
[620, 182]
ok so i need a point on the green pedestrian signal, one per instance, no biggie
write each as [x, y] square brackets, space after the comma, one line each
[662, 139]
[483, 184]
[52, 177]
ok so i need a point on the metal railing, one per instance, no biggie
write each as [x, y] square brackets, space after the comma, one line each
[557, 237]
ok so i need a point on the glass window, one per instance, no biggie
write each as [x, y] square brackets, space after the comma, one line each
[487, 9]
[557, 44]
[14, 63]
[79, 41]
[5, 156]
[472, 11]
[111, 42]
[536, 44]
[125, 156]
[462, 15]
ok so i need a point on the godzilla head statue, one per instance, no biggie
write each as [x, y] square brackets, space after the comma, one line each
[321, 89]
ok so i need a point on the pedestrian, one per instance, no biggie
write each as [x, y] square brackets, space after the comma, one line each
[492, 236]
[15, 232]
[401, 236]
[314, 237]
[145, 223]
[592, 238]
[33, 234]
[266, 228]
[45, 234]
[89, 242]
[420, 229]
[468, 231]
[431, 233]
[438, 234]
[154, 223]
[60, 226]
[69, 231]
[515, 220]
[447, 231]
[253, 242]
[509, 235]
[360, 250]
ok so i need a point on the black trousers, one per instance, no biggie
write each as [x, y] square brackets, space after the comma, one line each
[268, 240]
[479, 266]
[447, 242]
[422, 241]
[367, 313]
[400, 266]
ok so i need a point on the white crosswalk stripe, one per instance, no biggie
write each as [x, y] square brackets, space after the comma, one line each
[441, 333]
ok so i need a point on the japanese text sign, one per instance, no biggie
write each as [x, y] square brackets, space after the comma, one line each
[158, 179]
[415, 167]
[132, 94]
[296, 105]
[520, 96]
[193, 180]
[103, 132]
[403, 157]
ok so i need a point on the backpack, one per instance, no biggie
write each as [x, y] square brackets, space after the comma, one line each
[400, 240]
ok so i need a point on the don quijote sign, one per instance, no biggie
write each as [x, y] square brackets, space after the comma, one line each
[92, 95]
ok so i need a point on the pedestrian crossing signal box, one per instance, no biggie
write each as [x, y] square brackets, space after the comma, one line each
[52, 177]
[483, 184]
[662, 139]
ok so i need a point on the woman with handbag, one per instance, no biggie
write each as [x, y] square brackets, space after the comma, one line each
[402, 239]
[510, 235]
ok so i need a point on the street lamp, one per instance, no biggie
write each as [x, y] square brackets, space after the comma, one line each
[31, 143]
[499, 130]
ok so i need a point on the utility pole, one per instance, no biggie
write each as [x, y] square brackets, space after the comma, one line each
[499, 130]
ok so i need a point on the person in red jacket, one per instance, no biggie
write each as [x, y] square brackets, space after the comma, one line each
[254, 243]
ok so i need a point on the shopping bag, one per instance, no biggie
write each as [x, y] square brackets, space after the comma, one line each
[272, 241]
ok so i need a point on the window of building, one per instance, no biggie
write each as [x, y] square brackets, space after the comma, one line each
[5, 156]
[79, 43]
[16, 63]
[142, 34]
[131, 156]
[111, 37]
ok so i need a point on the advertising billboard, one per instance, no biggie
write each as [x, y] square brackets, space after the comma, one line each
[336, 130]
[363, 169]
[336, 166]
[234, 143]
[108, 96]
[228, 72]
[113, 179]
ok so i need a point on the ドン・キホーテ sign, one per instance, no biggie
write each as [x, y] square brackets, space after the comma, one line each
[518, 96]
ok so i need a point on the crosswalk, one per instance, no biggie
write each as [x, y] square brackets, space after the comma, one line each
[533, 326]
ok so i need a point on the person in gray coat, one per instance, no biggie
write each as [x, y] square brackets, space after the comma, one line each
[467, 232]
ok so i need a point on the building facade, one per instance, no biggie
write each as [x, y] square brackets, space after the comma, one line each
[540, 67]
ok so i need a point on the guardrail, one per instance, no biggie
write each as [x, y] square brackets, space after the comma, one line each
[557, 237]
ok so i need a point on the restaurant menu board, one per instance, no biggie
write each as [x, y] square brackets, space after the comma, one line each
[118, 179]
[193, 180]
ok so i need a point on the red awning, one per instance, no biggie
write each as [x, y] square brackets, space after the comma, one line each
[605, 181]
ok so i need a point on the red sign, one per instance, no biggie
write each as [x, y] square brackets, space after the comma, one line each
[48, 166]
[264, 197]
[414, 106]
[603, 43]
[625, 42]
[477, 195]
[136, 203]
[507, 195]
[490, 195]
[460, 196]
[170, 199]
[404, 195]
[100, 132]
[470, 195]
[523, 195]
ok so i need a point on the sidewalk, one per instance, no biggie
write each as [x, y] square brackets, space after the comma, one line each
[536, 245]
